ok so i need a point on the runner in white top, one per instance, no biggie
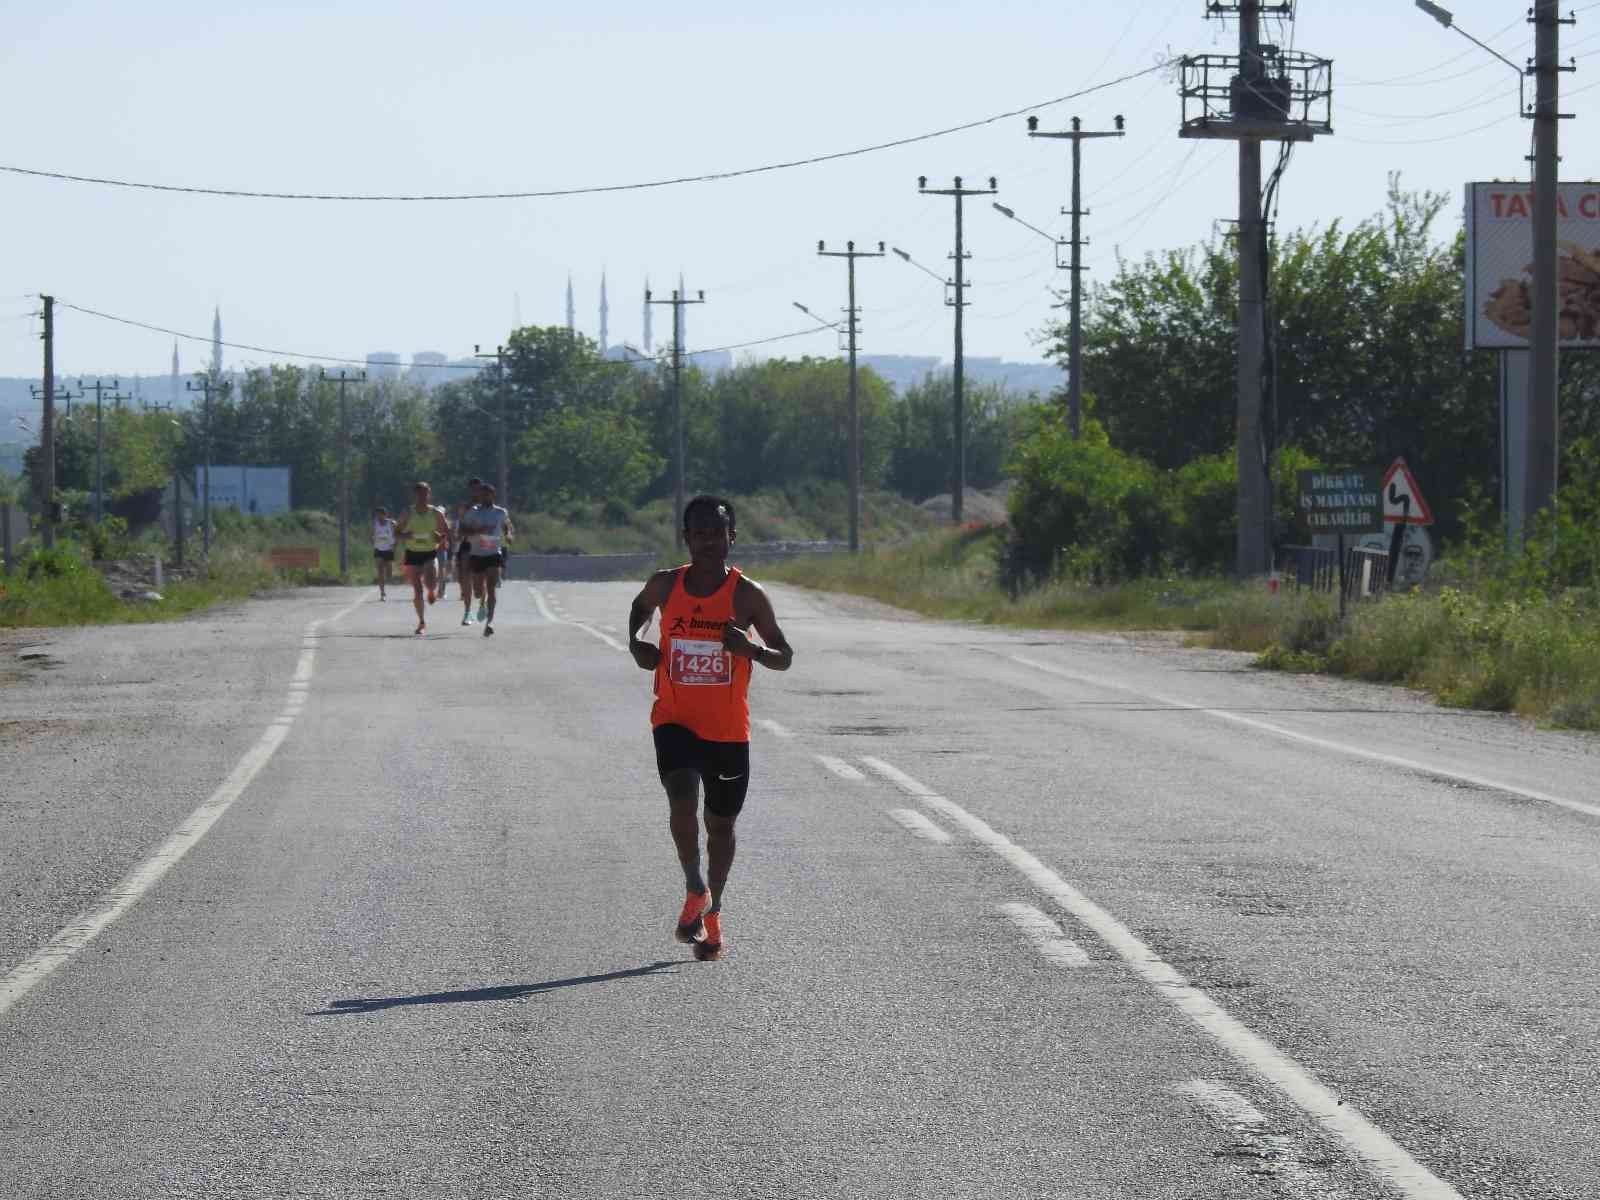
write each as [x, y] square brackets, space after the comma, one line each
[487, 527]
[383, 548]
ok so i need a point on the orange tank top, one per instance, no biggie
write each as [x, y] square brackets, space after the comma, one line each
[699, 685]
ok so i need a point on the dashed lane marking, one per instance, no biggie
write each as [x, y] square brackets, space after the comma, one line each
[1048, 938]
[920, 825]
[111, 906]
[773, 727]
[1390, 760]
[548, 615]
[841, 768]
[1252, 1051]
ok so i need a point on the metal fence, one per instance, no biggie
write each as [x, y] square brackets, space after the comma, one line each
[1365, 575]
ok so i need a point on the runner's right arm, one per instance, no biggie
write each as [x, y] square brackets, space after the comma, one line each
[652, 596]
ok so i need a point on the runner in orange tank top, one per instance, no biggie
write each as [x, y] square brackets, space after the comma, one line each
[701, 716]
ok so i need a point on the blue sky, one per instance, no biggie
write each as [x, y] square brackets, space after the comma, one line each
[405, 97]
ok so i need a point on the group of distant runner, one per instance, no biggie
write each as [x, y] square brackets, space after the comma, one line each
[701, 662]
[471, 547]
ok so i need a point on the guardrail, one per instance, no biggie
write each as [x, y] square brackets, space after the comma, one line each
[591, 568]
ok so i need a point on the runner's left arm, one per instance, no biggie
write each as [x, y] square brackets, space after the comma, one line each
[776, 654]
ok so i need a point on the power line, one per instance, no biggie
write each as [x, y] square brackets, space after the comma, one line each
[710, 177]
[329, 358]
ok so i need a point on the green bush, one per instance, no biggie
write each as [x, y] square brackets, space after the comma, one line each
[1083, 510]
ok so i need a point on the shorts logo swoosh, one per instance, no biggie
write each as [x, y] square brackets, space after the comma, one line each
[729, 778]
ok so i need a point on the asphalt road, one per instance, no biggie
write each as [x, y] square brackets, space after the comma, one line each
[293, 903]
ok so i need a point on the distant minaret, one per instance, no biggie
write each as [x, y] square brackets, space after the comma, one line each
[572, 312]
[605, 312]
[649, 348]
[177, 386]
[216, 343]
[683, 322]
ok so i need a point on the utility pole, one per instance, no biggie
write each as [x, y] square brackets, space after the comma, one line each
[207, 386]
[503, 487]
[47, 423]
[1265, 93]
[177, 490]
[853, 471]
[344, 465]
[678, 301]
[958, 466]
[99, 388]
[1541, 476]
[1075, 329]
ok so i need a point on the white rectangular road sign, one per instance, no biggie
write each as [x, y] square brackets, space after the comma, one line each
[1500, 264]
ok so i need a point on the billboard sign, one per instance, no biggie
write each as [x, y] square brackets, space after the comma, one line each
[1500, 265]
[254, 490]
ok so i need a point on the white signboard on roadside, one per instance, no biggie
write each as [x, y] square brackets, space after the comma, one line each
[1499, 265]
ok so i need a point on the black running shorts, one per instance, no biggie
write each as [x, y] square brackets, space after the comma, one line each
[723, 767]
[483, 562]
[419, 558]
[385, 555]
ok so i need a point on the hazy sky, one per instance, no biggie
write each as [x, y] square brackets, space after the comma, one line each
[406, 97]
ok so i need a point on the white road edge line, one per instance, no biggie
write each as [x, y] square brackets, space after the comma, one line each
[920, 825]
[1247, 1047]
[1391, 760]
[114, 903]
[544, 611]
[841, 768]
[1048, 938]
[1242, 1117]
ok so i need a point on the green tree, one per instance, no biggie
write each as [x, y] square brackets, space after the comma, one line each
[1367, 323]
[919, 463]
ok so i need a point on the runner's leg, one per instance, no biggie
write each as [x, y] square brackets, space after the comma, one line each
[491, 583]
[720, 844]
[414, 574]
[683, 819]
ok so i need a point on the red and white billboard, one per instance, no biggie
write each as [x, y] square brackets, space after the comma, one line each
[1500, 264]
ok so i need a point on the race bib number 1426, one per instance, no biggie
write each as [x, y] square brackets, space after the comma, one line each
[700, 664]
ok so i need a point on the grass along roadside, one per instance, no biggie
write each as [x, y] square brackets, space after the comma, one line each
[1538, 656]
[64, 587]
[951, 575]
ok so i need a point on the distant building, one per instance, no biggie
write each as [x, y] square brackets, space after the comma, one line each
[1020, 378]
[712, 362]
[383, 364]
[429, 369]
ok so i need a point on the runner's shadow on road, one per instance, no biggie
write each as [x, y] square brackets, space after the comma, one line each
[505, 991]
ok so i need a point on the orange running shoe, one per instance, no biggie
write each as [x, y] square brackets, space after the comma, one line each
[431, 596]
[710, 947]
[691, 928]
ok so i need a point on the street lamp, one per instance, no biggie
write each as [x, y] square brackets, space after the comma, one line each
[820, 321]
[1446, 18]
[1007, 212]
[943, 282]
